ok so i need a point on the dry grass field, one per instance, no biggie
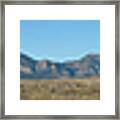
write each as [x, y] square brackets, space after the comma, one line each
[87, 89]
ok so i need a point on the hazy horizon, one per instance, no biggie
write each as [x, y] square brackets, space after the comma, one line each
[59, 40]
[61, 61]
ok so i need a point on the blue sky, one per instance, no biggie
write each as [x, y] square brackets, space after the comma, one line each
[59, 40]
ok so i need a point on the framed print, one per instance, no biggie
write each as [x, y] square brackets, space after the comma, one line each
[60, 60]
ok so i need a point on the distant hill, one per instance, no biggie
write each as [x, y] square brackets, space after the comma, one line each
[88, 66]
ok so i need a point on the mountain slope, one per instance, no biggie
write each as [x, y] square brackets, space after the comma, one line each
[86, 67]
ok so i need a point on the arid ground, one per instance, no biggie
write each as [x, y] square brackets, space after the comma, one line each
[77, 89]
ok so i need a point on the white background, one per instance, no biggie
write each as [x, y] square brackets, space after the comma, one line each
[106, 15]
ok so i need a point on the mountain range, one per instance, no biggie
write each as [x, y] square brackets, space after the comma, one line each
[85, 67]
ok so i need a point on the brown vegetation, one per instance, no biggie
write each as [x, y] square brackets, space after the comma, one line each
[86, 89]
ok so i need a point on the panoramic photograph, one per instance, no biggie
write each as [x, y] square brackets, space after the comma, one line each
[59, 60]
